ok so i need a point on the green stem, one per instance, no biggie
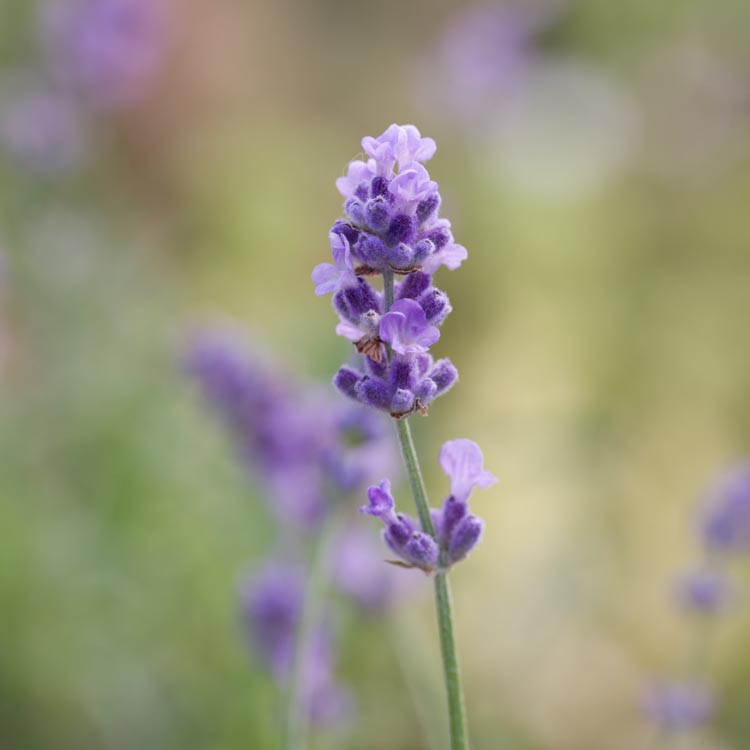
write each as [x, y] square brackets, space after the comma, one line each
[451, 671]
[296, 724]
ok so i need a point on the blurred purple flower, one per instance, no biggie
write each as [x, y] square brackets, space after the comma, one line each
[483, 55]
[41, 128]
[300, 443]
[679, 706]
[704, 591]
[272, 601]
[108, 51]
[725, 517]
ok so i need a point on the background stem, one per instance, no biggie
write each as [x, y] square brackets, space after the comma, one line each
[296, 715]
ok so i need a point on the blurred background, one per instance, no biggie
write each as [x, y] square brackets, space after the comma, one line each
[178, 165]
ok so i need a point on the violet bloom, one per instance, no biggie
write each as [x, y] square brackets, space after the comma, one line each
[457, 530]
[108, 51]
[406, 329]
[679, 706]
[725, 519]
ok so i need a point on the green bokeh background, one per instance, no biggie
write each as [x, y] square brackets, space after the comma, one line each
[601, 337]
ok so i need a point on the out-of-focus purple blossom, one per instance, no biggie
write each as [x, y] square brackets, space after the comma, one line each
[406, 329]
[107, 51]
[301, 444]
[276, 427]
[679, 706]
[272, 602]
[725, 517]
[483, 55]
[41, 128]
[457, 530]
[704, 591]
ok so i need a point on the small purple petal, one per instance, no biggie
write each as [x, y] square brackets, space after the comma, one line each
[462, 461]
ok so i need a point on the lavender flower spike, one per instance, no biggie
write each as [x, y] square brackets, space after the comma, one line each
[462, 461]
[406, 329]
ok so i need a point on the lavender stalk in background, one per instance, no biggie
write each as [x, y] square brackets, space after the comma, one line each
[307, 451]
[706, 591]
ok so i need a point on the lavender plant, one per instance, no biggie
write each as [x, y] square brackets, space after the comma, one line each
[704, 592]
[309, 454]
[392, 228]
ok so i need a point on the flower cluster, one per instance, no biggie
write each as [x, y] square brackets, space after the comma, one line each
[705, 590]
[457, 531]
[391, 227]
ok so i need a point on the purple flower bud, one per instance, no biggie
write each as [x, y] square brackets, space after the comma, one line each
[402, 402]
[346, 380]
[462, 461]
[464, 538]
[401, 257]
[403, 373]
[413, 285]
[427, 208]
[401, 229]
[454, 511]
[426, 391]
[444, 375]
[351, 233]
[680, 706]
[371, 250]
[373, 392]
[355, 211]
[423, 250]
[381, 504]
[436, 306]
[406, 329]
[421, 551]
[377, 215]
[379, 187]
